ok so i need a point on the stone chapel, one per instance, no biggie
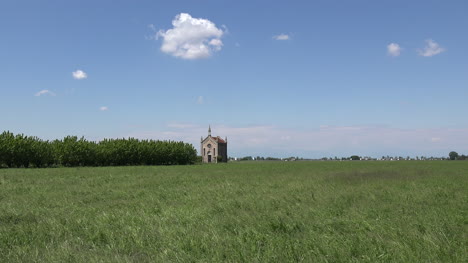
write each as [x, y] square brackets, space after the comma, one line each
[212, 147]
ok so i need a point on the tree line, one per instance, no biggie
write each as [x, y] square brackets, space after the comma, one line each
[452, 156]
[29, 151]
[455, 156]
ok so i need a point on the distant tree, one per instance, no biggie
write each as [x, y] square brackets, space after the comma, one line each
[453, 155]
[355, 158]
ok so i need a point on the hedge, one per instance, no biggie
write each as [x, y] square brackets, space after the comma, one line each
[26, 151]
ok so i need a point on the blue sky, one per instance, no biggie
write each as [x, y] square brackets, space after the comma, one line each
[278, 78]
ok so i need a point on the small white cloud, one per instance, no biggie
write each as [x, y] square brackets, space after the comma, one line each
[393, 50]
[152, 27]
[44, 92]
[431, 49]
[79, 74]
[200, 100]
[435, 139]
[154, 35]
[191, 38]
[103, 108]
[281, 37]
[217, 44]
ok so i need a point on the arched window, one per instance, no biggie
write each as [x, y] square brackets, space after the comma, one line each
[204, 151]
[214, 151]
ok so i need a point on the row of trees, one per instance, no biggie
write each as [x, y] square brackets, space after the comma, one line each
[26, 151]
[456, 156]
[452, 156]
[260, 158]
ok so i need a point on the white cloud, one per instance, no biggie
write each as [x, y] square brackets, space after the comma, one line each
[281, 37]
[103, 108]
[394, 49]
[217, 44]
[152, 27]
[79, 74]
[431, 49]
[191, 38]
[154, 35]
[200, 100]
[324, 141]
[44, 92]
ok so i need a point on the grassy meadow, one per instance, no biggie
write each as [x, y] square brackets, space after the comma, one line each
[406, 211]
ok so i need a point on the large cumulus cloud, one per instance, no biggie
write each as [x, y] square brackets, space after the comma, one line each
[191, 38]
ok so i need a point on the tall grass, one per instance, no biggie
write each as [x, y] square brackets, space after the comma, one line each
[237, 212]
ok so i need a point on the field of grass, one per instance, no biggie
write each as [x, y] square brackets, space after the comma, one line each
[404, 211]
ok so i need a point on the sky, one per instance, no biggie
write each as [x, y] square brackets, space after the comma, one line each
[277, 78]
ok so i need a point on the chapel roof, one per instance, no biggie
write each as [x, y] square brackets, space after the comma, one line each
[219, 140]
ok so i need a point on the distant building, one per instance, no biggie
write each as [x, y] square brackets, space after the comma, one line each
[212, 147]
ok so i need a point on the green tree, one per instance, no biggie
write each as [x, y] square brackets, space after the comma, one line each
[453, 155]
[26, 151]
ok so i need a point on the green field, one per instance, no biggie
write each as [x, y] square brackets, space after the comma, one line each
[406, 211]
